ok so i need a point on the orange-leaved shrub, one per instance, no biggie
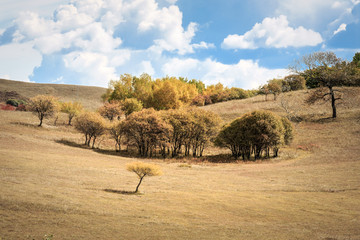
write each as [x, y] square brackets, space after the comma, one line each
[92, 125]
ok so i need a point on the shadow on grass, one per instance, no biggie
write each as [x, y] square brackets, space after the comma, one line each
[129, 154]
[122, 192]
[26, 124]
[220, 158]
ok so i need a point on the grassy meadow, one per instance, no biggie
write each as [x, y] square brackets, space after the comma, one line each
[51, 185]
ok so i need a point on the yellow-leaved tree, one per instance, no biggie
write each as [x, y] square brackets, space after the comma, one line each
[43, 106]
[142, 170]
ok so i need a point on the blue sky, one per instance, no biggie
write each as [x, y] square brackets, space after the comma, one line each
[237, 43]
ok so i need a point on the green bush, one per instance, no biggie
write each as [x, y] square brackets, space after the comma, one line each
[12, 102]
[255, 133]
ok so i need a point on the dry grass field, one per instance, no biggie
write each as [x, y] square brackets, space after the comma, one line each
[89, 97]
[312, 191]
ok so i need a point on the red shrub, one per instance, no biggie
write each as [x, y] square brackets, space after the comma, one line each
[21, 107]
[8, 107]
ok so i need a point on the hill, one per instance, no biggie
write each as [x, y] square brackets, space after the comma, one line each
[90, 97]
[51, 185]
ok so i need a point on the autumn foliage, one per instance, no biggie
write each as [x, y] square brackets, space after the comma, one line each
[142, 170]
[92, 125]
[43, 106]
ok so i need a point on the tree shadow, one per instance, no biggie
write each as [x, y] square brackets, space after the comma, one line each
[122, 153]
[122, 192]
[321, 120]
[71, 144]
[26, 124]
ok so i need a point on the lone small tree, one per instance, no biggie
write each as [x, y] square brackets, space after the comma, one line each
[143, 169]
[43, 106]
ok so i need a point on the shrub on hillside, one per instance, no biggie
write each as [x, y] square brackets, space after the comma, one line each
[255, 133]
[12, 102]
[92, 125]
[43, 106]
[147, 130]
[8, 107]
[72, 109]
[21, 107]
[110, 110]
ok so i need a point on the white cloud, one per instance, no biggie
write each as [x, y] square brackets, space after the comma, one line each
[93, 66]
[85, 34]
[167, 22]
[245, 74]
[20, 61]
[273, 32]
[96, 68]
[342, 27]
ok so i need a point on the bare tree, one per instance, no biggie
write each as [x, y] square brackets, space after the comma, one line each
[328, 71]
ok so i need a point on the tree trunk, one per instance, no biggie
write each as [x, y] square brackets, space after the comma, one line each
[333, 102]
[93, 143]
[137, 187]
[41, 120]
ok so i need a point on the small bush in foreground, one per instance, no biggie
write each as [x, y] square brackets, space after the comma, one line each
[143, 169]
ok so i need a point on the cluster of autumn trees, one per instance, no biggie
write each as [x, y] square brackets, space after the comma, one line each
[169, 92]
[172, 133]
[154, 116]
[167, 133]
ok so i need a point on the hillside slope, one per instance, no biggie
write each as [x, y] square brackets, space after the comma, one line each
[50, 187]
[90, 97]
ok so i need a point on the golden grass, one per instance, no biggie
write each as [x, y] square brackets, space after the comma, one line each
[311, 192]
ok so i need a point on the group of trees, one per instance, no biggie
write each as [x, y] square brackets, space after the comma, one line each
[275, 86]
[255, 133]
[167, 133]
[169, 92]
[176, 130]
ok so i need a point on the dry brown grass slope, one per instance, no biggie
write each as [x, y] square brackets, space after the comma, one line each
[90, 97]
[311, 192]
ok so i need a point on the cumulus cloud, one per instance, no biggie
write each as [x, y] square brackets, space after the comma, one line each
[273, 32]
[87, 36]
[310, 13]
[20, 61]
[246, 74]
